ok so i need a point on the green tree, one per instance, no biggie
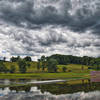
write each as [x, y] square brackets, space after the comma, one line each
[52, 65]
[3, 68]
[4, 59]
[27, 58]
[38, 64]
[64, 69]
[28, 65]
[22, 66]
[43, 62]
[12, 69]
[15, 59]
[82, 67]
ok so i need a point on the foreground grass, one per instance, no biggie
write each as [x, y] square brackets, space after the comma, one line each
[70, 75]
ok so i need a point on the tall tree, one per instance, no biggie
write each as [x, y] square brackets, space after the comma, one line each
[43, 62]
[22, 66]
[52, 65]
[4, 58]
[12, 69]
[38, 64]
[3, 68]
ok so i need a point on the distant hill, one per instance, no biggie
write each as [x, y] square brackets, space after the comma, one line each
[69, 59]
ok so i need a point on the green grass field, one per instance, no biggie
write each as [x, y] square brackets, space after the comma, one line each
[45, 76]
[32, 69]
[74, 71]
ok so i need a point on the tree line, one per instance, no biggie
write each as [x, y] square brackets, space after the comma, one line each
[69, 59]
[23, 64]
[50, 63]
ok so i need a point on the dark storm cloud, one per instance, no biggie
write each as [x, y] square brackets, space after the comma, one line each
[15, 12]
[36, 13]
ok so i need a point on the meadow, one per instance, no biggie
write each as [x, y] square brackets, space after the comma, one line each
[74, 71]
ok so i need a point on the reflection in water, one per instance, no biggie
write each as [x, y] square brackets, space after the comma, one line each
[95, 76]
[55, 91]
[13, 81]
[47, 96]
[4, 91]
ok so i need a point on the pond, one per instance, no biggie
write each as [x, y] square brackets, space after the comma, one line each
[22, 89]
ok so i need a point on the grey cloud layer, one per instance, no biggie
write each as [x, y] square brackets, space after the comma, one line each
[38, 27]
[77, 15]
[48, 41]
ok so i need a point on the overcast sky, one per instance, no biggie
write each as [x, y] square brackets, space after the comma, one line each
[45, 27]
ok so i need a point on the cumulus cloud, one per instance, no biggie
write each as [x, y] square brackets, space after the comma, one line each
[45, 27]
[78, 15]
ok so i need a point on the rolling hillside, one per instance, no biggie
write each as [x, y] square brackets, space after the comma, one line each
[33, 67]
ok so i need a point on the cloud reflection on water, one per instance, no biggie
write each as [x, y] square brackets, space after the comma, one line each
[37, 95]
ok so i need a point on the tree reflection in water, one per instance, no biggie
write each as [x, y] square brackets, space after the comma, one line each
[55, 91]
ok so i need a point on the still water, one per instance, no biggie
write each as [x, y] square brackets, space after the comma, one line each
[46, 90]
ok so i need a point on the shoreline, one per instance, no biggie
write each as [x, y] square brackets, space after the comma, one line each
[44, 75]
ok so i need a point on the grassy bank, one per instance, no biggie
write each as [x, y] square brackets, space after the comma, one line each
[33, 67]
[70, 77]
[45, 76]
[74, 71]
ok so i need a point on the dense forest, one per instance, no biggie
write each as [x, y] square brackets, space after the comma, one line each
[69, 59]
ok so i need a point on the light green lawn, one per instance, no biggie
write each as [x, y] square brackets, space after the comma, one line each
[74, 71]
[76, 68]
[70, 75]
